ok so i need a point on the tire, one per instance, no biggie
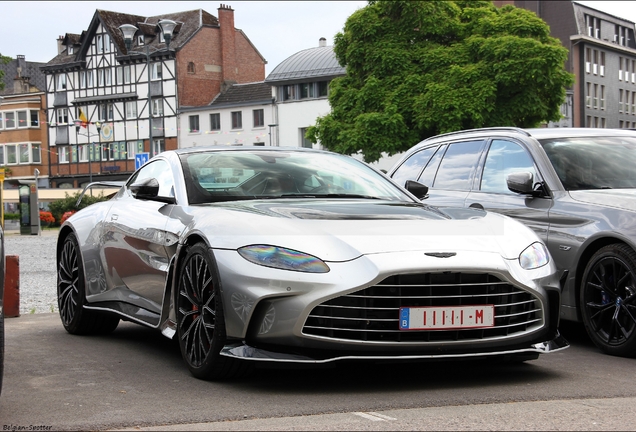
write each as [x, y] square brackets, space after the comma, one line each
[608, 300]
[200, 319]
[71, 295]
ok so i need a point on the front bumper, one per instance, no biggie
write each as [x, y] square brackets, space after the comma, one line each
[267, 310]
[246, 352]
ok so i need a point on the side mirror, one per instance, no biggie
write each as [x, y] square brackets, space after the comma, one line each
[520, 182]
[145, 189]
[416, 188]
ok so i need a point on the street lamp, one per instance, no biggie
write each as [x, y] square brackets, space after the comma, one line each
[270, 126]
[88, 134]
[128, 31]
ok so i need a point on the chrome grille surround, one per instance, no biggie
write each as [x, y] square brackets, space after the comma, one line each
[372, 314]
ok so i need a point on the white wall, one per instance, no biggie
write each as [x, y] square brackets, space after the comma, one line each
[246, 136]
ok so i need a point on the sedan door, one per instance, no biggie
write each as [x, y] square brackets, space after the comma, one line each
[134, 242]
[491, 192]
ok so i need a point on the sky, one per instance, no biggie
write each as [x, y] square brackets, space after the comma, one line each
[278, 29]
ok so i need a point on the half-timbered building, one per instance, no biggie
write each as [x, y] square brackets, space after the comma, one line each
[128, 100]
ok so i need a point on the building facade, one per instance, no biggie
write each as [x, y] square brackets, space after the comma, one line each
[128, 101]
[300, 86]
[602, 56]
[23, 137]
[243, 115]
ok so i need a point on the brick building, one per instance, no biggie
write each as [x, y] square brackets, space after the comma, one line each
[95, 78]
[23, 138]
[602, 56]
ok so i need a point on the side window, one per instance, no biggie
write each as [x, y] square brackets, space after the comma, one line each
[504, 157]
[457, 166]
[159, 170]
[411, 168]
[428, 175]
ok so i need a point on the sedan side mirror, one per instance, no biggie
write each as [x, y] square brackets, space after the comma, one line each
[416, 188]
[145, 189]
[521, 182]
[148, 189]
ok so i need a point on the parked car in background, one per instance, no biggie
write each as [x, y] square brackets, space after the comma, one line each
[576, 188]
[298, 255]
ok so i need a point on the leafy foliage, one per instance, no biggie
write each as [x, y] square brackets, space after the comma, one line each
[5, 60]
[67, 204]
[416, 69]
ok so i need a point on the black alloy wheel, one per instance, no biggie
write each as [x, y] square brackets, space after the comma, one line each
[200, 321]
[608, 300]
[71, 295]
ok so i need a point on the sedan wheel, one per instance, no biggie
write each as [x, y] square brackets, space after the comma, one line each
[200, 322]
[71, 295]
[608, 300]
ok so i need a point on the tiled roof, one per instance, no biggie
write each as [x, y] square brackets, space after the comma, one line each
[189, 22]
[311, 63]
[244, 94]
[29, 69]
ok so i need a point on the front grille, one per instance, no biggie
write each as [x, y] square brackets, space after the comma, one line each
[372, 314]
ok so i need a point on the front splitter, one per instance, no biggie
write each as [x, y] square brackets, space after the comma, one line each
[246, 352]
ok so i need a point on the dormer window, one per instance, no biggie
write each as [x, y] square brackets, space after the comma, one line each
[140, 40]
[70, 50]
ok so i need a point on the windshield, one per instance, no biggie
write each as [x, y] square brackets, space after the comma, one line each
[593, 162]
[260, 174]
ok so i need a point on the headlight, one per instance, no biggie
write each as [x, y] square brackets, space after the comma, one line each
[284, 259]
[534, 256]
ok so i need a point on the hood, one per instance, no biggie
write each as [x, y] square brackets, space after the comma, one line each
[342, 230]
[624, 199]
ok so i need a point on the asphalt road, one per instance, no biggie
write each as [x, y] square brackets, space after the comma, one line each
[135, 378]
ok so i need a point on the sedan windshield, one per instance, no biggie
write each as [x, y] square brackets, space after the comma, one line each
[263, 174]
[593, 162]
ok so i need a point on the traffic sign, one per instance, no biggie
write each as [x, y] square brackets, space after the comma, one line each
[141, 159]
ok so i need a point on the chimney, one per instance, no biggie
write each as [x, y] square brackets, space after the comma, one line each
[60, 47]
[229, 67]
[21, 63]
[322, 42]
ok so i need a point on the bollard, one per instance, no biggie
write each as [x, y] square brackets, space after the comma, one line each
[12, 286]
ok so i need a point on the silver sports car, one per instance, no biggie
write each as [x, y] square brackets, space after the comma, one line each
[297, 255]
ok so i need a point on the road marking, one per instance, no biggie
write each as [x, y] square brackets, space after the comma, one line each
[373, 416]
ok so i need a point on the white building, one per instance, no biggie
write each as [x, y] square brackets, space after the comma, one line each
[300, 86]
[242, 115]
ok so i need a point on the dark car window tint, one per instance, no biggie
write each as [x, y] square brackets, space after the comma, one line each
[455, 171]
[504, 158]
[593, 162]
[428, 175]
[411, 168]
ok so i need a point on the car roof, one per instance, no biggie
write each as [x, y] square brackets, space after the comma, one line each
[536, 133]
[204, 149]
[547, 133]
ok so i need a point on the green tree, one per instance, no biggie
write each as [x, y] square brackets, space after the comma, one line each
[5, 60]
[416, 69]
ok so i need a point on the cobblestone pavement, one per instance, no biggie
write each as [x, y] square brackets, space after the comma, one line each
[37, 269]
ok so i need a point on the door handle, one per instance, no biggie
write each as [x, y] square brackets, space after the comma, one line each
[476, 206]
[114, 217]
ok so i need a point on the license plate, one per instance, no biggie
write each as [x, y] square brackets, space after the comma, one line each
[447, 317]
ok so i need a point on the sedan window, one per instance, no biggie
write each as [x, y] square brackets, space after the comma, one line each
[593, 162]
[413, 166]
[240, 175]
[504, 158]
[159, 170]
[457, 167]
